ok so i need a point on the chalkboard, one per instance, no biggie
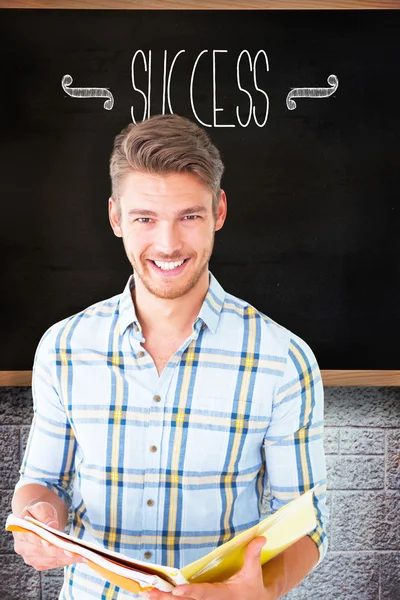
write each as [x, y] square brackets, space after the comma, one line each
[312, 236]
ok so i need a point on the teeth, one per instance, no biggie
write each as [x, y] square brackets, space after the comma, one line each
[168, 266]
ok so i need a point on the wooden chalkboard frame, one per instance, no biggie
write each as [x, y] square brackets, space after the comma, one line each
[205, 4]
[330, 378]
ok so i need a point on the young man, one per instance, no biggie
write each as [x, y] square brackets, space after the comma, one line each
[161, 413]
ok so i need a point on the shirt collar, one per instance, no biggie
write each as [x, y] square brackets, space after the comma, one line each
[127, 313]
[209, 313]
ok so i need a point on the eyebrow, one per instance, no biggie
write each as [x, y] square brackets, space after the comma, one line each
[192, 210]
[141, 212]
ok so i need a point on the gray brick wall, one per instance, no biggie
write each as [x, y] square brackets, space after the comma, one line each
[363, 459]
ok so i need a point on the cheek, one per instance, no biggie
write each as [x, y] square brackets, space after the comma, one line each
[198, 237]
[135, 241]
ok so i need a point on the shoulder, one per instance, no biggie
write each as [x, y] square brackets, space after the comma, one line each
[239, 312]
[273, 337]
[92, 321]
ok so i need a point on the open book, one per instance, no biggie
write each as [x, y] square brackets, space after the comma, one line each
[281, 529]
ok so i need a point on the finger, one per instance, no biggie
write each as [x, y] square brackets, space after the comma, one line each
[251, 568]
[26, 549]
[155, 594]
[44, 512]
[53, 562]
[199, 591]
[251, 561]
[255, 546]
[29, 538]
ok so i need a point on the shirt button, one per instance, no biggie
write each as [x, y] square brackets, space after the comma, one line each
[153, 448]
[140, 354]
[150, 502]
[157, 398]
[148, 554]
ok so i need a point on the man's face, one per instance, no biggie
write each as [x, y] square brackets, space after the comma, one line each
[167, 226]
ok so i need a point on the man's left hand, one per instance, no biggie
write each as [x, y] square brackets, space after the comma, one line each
[246, 584]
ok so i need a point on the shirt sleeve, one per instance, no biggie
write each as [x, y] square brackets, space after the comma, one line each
[295, 460]
[50, 452]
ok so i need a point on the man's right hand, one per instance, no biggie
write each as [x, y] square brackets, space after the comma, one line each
[39, 553]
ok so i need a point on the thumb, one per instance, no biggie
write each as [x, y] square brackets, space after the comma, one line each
[43, 512]
[251, 565]
[194, 591]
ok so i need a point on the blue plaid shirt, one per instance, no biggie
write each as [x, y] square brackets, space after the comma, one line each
[166, 467]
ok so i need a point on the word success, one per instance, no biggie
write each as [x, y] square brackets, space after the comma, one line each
[164, 84]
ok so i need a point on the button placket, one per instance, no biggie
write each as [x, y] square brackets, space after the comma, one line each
[153, 462]
[151, 506]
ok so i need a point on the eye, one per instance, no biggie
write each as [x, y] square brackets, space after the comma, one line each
[144, 220]
[191, 217]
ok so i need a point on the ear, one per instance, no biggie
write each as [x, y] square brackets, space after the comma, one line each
[113, 214]
[222, 210]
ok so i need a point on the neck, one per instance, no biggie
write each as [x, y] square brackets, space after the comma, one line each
[159, 315]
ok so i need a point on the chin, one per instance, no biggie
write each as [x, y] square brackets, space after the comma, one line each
[169, 292]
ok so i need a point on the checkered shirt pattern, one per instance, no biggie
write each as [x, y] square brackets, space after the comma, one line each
[172, 465]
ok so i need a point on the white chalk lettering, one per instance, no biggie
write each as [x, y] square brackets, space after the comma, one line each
[242, 89]
[149, 87]
[164, 80]
[249, 93]
[215, 109]
[169, 80]
[259, 89]
[191, 89]
[134, 84]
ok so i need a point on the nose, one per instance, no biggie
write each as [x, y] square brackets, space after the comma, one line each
[168, 239]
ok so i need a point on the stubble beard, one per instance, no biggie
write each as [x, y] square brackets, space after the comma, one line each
[174, 290]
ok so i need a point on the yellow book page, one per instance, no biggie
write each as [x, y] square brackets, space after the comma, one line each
[283, 528]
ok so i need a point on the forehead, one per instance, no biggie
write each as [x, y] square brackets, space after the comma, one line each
[175, 188]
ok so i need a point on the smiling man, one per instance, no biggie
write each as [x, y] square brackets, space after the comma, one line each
[162, 414]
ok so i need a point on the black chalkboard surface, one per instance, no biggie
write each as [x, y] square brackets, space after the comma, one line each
[312, 237]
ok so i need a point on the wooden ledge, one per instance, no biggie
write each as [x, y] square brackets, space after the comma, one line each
[329, 378]
[205, 4]
[16, 378]
[360, 378]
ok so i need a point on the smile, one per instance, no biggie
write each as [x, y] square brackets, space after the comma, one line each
[168, 266]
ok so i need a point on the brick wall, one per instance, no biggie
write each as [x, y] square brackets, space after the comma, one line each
[363, 457]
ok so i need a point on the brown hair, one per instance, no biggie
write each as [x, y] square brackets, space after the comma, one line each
[166, 144]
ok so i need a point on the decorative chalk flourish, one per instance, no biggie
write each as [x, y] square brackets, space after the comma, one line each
[87, 92]
[312, 92]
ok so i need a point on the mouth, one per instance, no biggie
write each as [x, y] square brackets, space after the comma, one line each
[169, 268]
